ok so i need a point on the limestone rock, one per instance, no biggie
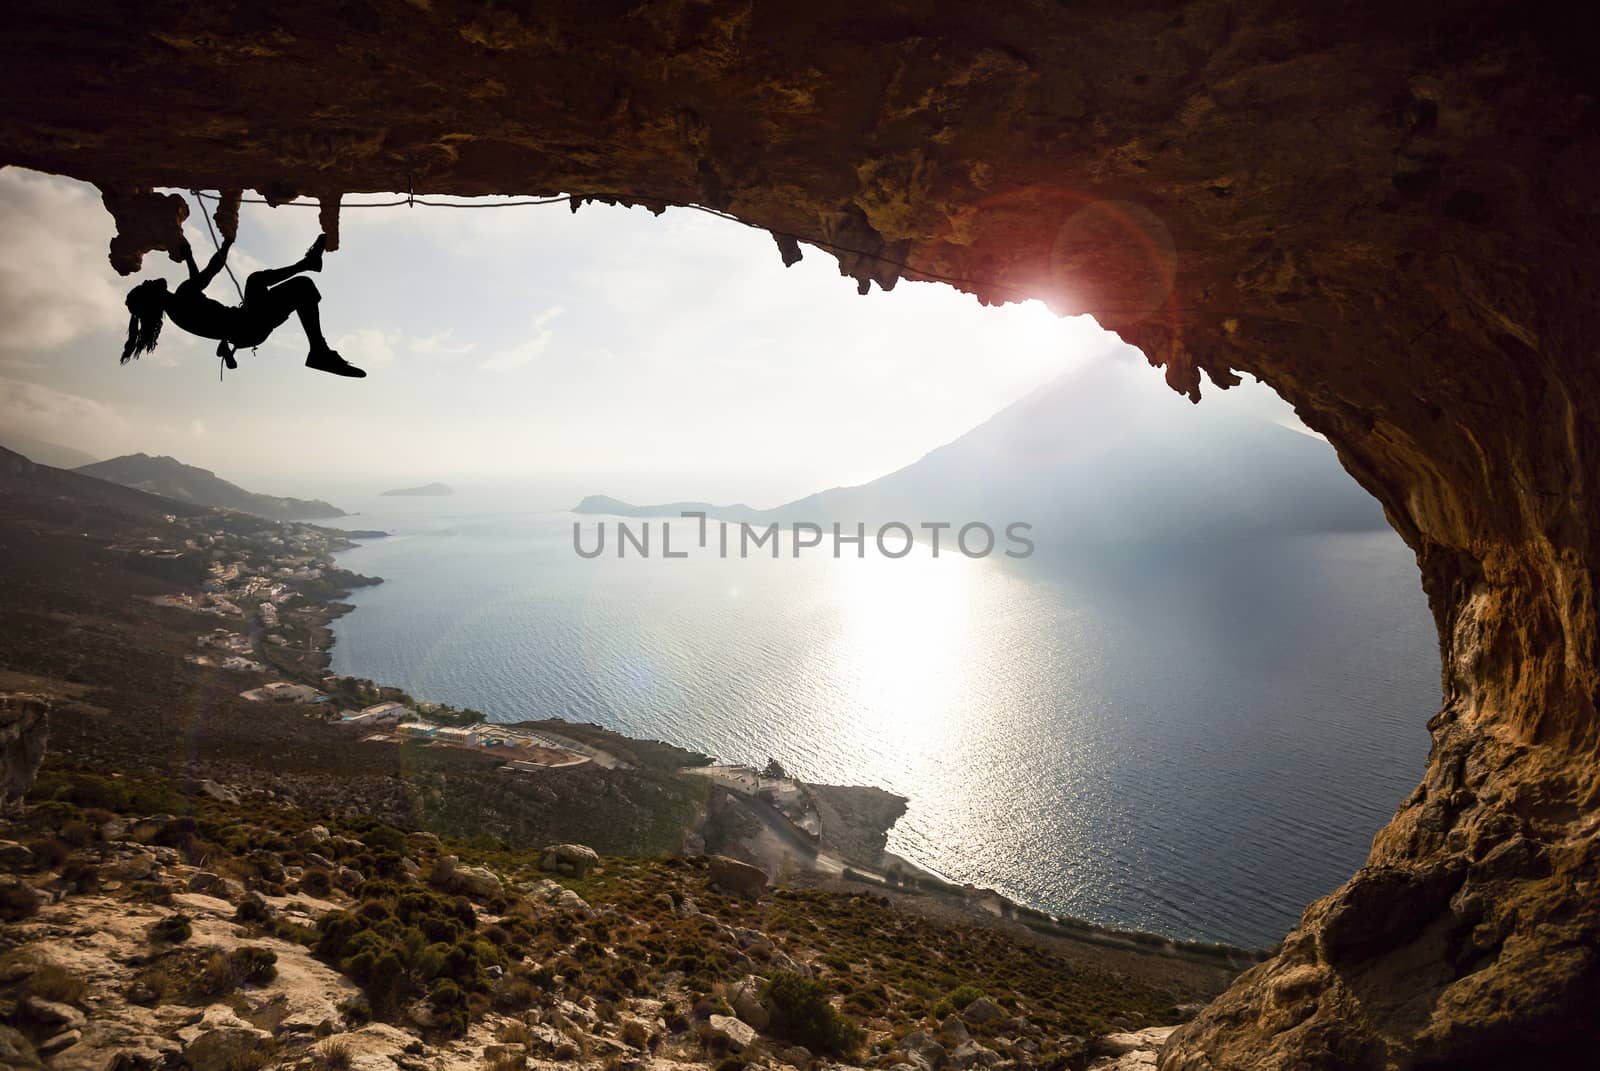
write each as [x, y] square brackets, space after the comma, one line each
[736, 878]
[738, 1035]
[923, 1050]
[971, 1054]
[744, 996]
[475, 881]
[983, 1010]
[64, 1040]
[24, 732]
[53, 1013]
[220, 793]
[220, 1040]
[574, 860]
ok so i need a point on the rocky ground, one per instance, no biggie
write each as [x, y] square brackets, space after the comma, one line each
[233, 931]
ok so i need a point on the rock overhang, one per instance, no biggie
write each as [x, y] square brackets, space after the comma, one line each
[1387, 213]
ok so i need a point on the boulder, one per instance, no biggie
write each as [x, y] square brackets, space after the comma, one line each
[924, 1050]
[971, 1054]
[953, 1032]
[745, 997]
[14, 856]
[220, 793]
[983, 1010]
[211, 884]
[739, 1036]
[572, 859]
[1120, 1045]
[221, 1040]
[64, 1040]
[782, 961]
[443, 868]
[348, 878]
[475, 881]
[736, 878]
[53, 1013]
[24, 731]
[571, 901]
[311, 839]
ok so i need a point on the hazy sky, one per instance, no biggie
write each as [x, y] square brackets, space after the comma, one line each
[608, 351]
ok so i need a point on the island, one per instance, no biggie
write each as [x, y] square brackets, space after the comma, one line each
[427, 489]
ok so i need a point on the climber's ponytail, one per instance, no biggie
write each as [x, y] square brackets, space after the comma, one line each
[147, 304]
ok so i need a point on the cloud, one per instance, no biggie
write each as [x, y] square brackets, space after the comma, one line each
[50, 229]
[53, 415]
[441, 344]
[368, 348]
[528, 350]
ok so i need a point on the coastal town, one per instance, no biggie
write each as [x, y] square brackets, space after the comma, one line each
[275, 591]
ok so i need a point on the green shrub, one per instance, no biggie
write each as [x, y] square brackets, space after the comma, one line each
[174, 929]
[17, 902]
[802, 1013]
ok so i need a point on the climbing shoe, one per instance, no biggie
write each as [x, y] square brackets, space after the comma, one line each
[313, 257]
[329, 361]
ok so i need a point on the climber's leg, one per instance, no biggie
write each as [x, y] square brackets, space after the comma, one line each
[260, 281]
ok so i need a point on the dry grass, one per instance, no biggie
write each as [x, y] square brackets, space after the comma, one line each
[506, 1061]
[335, 1054]
[50, 982]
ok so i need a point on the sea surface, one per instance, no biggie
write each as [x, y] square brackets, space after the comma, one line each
[1193, 740]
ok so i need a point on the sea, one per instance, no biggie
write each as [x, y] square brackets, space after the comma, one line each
[1194, 740]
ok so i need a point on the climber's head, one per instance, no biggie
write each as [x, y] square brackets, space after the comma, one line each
[147, 304]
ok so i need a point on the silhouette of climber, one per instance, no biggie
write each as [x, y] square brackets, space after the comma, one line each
[269, 298]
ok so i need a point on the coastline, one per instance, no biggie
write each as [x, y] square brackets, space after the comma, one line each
[855, 821]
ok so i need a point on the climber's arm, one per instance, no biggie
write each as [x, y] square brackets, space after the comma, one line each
[204, 276]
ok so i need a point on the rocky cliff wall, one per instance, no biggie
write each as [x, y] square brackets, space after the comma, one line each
[1386, 211]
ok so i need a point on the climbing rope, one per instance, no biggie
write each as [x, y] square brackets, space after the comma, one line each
[410, 200]
[225, 349]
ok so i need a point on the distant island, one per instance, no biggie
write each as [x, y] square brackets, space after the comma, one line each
[171, 478]
[615, 507]
[427, 489]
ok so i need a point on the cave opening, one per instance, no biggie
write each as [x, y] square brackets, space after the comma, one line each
[1385, 214]
[1238, 619]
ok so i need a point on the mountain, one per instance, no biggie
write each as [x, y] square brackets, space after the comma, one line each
[426, 490]
[42, 452]
[171, 478]
[1095, 458]
[82, 503]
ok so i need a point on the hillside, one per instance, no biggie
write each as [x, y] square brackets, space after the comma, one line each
[203, 880]
[39, 494]
[1088, 459]
[255, 933]
[43, 452]
[173, 479]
